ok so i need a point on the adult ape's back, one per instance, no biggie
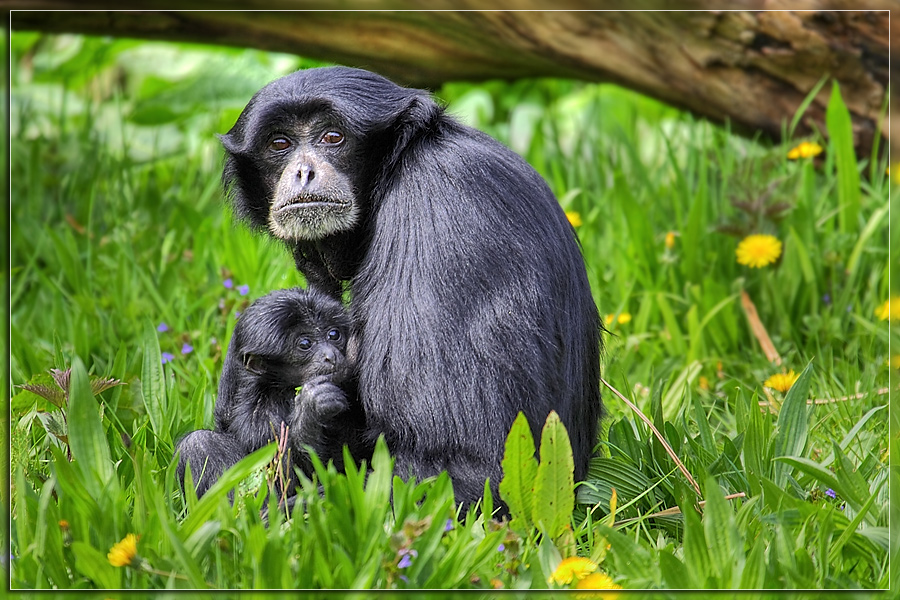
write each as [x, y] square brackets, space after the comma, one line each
[468, 286]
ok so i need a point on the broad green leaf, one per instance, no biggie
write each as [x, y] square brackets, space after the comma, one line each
[87, 439]
[696, 549]
[554, 495]
[519, 473]
[757, 460]
[153, 386]
[607, 473]
[725, 544]
[754, 571]
[792, 427]
[840, 133]
[94, 565]
[198, 542]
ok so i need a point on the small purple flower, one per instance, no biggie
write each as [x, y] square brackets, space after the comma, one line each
[187, 348]
[228, 283]
[237, 314]
[501, 548]
[849, 307]
[244, 289]
[162, 327]
[167, 357]
[830, 493]
[404, 579]
[826, 299]
[406, 557]
[448, 525]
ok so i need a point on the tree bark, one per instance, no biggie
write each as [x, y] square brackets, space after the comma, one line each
[753, 69]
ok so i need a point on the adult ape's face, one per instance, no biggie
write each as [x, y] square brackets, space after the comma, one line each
[299, 163]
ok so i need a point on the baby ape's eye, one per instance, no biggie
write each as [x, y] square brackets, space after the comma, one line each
[334, 335]
[333, 138]
[305, 344]
[279, 144]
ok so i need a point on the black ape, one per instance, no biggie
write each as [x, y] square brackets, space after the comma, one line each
[468, 286]
[284, 340]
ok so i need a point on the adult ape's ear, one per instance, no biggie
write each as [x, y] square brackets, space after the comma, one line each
[407, 130]
[420, 116]
[231, 145]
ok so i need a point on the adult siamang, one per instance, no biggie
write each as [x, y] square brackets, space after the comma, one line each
[468, 289]
[284, 340]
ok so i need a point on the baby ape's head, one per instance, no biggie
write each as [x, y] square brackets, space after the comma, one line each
[288, 337]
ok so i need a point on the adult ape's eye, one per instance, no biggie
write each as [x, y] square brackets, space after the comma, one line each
[279, 144]
[305, 344]
[333, 138]
[334, 335]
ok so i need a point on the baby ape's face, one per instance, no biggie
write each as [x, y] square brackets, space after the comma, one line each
[290, 336]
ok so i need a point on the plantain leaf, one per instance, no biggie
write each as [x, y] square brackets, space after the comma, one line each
[519, 473]
[554, 495]
[87, 439]
[153, 387]
[725, 544]
[792, 427]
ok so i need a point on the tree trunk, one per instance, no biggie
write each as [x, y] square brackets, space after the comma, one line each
[751, 68]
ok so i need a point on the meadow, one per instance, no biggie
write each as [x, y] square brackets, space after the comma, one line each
[744, 284]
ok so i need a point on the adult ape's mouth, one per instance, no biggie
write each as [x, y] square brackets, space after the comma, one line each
[305, 202]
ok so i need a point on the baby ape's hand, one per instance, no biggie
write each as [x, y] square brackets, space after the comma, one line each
[320, 399]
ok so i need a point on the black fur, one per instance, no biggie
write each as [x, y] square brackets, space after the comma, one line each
[468, 286]
[266, 362]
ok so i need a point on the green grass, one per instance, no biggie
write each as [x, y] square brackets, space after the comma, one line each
[118, 225]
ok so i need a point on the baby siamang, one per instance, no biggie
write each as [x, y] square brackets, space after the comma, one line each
[468, 288]
[284, 340]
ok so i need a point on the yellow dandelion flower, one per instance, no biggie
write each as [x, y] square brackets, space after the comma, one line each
[782, 381]
[704, 382]
[758, 250]
[621, 319]
[895, 361]
[889, 310]
[123, 553]
[573, 568]
[805, 150]
[574, 218]
[597, 581]
[670, 240]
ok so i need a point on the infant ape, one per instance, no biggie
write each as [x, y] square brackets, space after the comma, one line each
[284, 340]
